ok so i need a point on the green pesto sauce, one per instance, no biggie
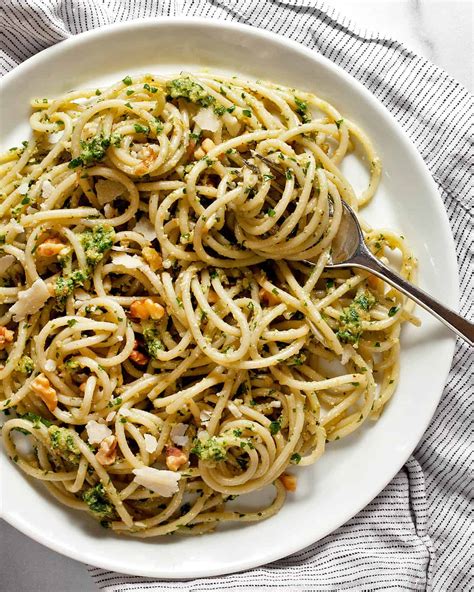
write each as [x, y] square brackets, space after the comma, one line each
[99, 502]
[185, 88]
[153, 342]
[96, 242]
[65, 284]
[62, 442]
[212, 449]
[25, 365]
[94, 150]
[350, 320]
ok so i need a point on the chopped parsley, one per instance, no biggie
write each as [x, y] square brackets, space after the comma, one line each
[296, 458]
[158, 125]
[127, 81]
[393, 311]
[36, 419]
[302, 109]
[275, 427]
[366, 301]
[219, 109]
[149, 88]
[339, 122]
[350, 320]
[247, 112]
[141, 129]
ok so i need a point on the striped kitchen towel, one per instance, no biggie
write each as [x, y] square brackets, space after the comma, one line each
[415, 534]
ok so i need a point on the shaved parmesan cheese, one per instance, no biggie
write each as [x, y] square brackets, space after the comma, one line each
[203, 435]
[146, 228]
[232, 407]
[30, 300]
[23, 188]
[96, 432]
[151, 443]
[346, 354]
[232, 124]
[275, 404]
[107, 190]
[82, 295]
[177, 434]
[207, 120]
[165, 483]
[14, 225]
[47, 189]
[123, 249]
[5, 262]
[111, 416]
[128, 261]
[205, 416]
[50, 365]
[109, 211]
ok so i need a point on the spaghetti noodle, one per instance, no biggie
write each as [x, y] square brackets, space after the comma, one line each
[165, 347]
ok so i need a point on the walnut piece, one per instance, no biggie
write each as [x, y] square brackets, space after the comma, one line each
[42, 387]
[146, 309]
[288, 481]
[107, 451]
[6, 336]
[50, 247]
[153, 258]
[175, 458]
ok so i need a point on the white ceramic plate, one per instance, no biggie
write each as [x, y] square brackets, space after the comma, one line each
[352, 471]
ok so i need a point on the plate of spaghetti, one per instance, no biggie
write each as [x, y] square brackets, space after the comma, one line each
[170, 363]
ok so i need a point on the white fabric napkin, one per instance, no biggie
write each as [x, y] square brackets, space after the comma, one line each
[415, 534]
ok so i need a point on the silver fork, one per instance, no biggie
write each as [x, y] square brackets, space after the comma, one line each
[349, 250]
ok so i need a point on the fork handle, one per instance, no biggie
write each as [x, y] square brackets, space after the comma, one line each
[457, 323]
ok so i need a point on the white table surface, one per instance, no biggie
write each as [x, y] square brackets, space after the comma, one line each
[440, 30]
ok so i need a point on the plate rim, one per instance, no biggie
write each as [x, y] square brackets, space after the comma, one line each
[451, 297]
